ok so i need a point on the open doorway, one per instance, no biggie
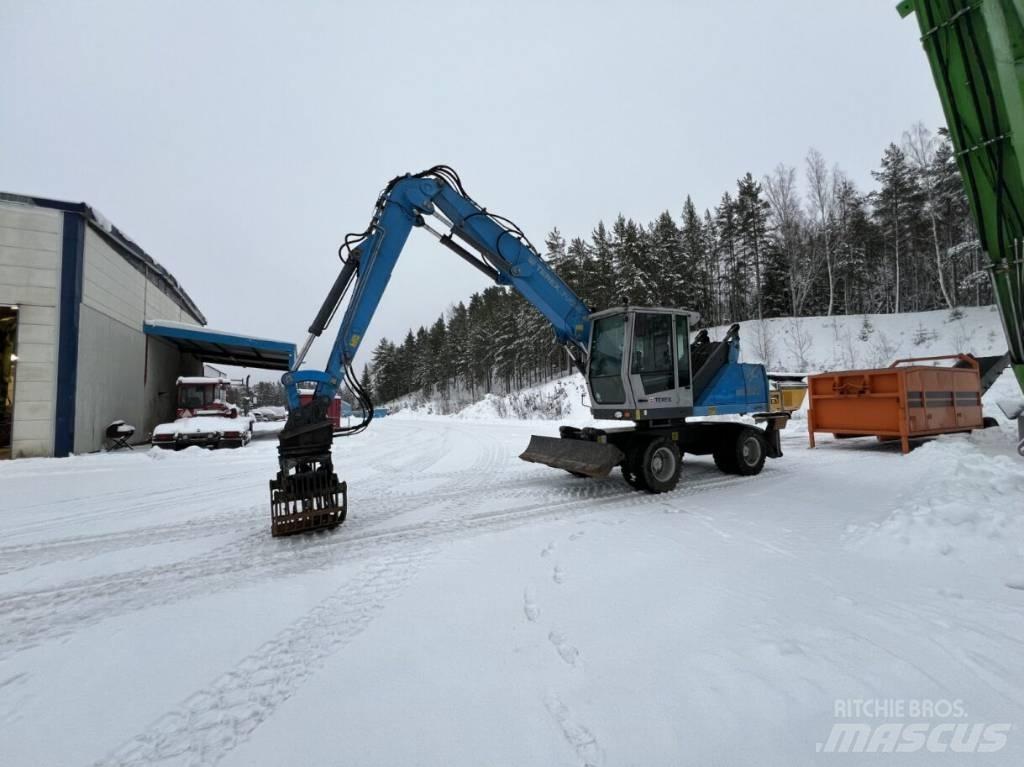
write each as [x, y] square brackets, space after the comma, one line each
[8, 367]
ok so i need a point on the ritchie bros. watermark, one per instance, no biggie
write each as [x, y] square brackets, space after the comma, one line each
[906, 725]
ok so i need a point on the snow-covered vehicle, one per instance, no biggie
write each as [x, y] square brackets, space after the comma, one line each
[270, 413]
[204, 417]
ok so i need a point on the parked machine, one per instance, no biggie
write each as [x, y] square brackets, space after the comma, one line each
[976, 49]
[639, 364]
[204, 417]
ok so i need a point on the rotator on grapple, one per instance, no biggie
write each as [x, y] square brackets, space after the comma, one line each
[639, 363]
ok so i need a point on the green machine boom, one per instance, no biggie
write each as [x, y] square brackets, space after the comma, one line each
[976, 52]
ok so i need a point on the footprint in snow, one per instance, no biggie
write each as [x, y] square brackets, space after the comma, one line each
[577, 734]
[788, 647]
[566, 651]
[558, 576]
[530, 605]
[546, 551]
[577, 535]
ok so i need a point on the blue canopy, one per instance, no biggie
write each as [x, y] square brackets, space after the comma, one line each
[227, 348]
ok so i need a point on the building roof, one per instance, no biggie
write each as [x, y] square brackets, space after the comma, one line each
[123, 244]
[221, 346]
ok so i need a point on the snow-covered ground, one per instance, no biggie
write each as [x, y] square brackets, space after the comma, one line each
[479, 610]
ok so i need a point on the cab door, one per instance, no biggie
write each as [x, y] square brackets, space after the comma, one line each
[659, 364]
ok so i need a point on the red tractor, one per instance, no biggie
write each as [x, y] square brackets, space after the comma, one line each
[204, 417]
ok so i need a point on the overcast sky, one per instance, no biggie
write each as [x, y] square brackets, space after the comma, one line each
[238, 142]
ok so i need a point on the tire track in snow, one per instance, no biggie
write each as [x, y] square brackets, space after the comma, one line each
[32, 616]
[154, 497]
[208, 724]
[16, 558]
[19, 557]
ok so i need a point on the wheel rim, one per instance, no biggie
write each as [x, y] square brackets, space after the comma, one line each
[663, 464]
[751, 451]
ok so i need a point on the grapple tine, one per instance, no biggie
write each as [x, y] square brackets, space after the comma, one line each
[306, 494]
[308, 498]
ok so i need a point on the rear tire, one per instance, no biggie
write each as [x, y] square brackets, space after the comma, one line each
[742, 452]
[660, 465]
[751, 450]
[725, 456]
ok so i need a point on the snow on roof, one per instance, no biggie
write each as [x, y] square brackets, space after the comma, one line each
[122, 243]
[190, 380]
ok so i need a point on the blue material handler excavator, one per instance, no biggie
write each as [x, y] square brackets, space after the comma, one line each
[640, 365]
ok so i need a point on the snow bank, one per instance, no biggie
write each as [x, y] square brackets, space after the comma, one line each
[971, 505]
[816, 344]
[554, 400]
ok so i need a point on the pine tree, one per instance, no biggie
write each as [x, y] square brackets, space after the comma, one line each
[897, 207]
[714, 269]
[967, 280]
[366, 382]
[664, 268]
[582, 266]
[733, 271]
[693, 279]
[630, 253]
[606, 291]
[751, 228]
[438, 357]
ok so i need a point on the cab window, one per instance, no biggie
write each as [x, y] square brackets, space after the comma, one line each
[653, 359]
[606, 360]
[683, 349]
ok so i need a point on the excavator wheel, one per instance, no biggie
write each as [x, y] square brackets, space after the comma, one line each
[632, 477]
[660, 465]
[741, 451]
[631, 467]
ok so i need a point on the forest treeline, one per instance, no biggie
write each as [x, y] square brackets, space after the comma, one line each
[799, 241]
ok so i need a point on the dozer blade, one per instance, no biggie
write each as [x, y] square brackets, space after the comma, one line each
[307, 497]
[578, 456]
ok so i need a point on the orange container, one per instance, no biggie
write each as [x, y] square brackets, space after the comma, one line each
[903, 401]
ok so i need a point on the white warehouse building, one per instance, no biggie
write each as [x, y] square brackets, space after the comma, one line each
[93, 330]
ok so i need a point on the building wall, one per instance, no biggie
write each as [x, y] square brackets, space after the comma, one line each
[30, 246]
[160, 396]
[120, 374]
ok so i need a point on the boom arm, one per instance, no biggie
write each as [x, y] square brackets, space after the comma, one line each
[507, 257]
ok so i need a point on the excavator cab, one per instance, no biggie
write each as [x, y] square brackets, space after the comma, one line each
[639, 363]
[639, 369]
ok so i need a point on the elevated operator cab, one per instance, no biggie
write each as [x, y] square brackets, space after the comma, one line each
[642, 367]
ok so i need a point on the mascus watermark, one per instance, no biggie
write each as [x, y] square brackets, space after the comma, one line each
[930, 725]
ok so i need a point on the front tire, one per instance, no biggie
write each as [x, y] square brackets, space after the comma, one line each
[660, 465]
